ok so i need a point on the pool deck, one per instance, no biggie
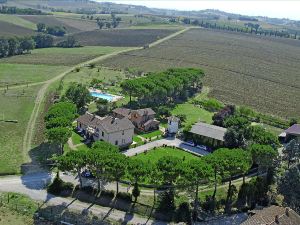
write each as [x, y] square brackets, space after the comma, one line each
[110, 97]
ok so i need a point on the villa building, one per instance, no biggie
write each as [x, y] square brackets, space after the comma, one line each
[143, 119]
[110, 129]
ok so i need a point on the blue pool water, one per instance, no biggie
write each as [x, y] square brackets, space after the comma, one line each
[103, 96]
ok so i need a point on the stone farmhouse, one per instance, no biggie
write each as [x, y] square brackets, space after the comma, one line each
[143, 119]
[117, 131]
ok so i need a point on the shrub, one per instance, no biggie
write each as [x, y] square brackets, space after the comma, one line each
[107, 193]
[59, 187]
[124, 196]
[89, 190]
[211, 104]
[184, 213]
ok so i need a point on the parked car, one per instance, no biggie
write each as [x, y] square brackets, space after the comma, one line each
[87, 174]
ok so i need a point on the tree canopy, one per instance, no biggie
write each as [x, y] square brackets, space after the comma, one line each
[164, 86]
[78, 94]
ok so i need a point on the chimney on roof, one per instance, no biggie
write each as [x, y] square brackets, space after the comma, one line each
[287, 211]
[277, 219]
[113, 120]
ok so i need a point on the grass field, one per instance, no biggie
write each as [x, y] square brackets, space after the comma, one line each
[122, 37]
[11, 138]
[155, 154]
[19, 210]
[50, 21]
[193, 113]
[151, 134]
[242, 69]
[86, 75]
[16, 20]
[9, 29]
[61, 56]
[24, 73]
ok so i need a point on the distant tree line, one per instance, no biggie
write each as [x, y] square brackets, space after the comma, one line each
[15, 10]
[53, 30]
[15, 46]
[251, 28]
[19, 45]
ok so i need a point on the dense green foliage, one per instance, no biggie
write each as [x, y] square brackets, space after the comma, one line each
[15, 10]
[289, 187]
[59, 187]
[210, 104]
[15, 46]
[263, 155]
[59, 120]
[257, 134]
[52, 30]
[164, 87]
[78, 94]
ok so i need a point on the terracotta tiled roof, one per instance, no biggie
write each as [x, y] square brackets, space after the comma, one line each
[109, 124]
[273, 215]
[127, 112]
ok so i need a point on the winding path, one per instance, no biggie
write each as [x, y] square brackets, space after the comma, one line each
[27, 140]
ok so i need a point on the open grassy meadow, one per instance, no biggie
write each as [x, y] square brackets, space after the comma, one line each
[19, 210]
[16, 20]
[13, 74]
[260, 72]
[193, 113]
[10, 29]
[61, 56]
[154, 155]
[16, 104]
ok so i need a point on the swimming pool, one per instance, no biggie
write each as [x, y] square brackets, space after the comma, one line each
[107, 97]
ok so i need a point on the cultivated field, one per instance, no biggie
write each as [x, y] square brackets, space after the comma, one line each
[16, 104]
[16, 20]
[50, 21]
[121, 37]
[60, 56]
[10, 29]
[12, 74]
[242, 69]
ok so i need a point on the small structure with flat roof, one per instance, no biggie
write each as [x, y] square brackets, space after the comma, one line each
[173, 125]
[208, 134]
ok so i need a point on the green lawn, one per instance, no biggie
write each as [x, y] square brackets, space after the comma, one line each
[18, 211]
[11, 138]
[61, 56]
[17, 21]
[154, 155]
[151, 134]
[24, 73]
[193, 113]
[137, 139]
[76, 138]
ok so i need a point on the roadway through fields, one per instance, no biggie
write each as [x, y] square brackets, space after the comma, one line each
[29, 132]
